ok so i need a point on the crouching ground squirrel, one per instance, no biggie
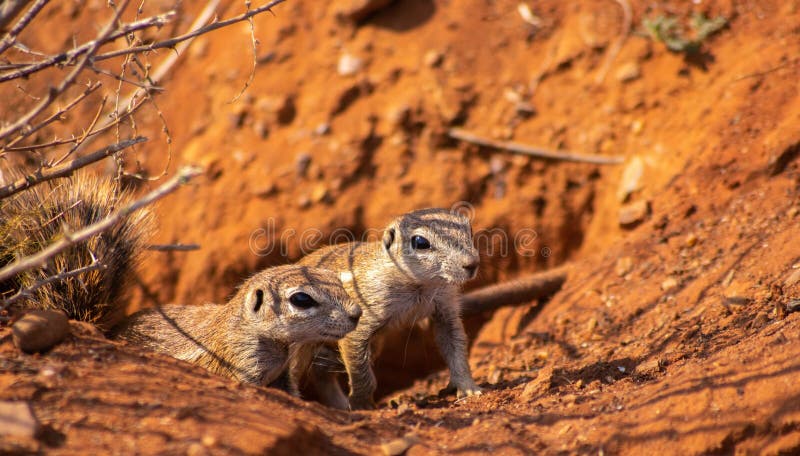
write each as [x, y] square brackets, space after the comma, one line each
[413, 273]
[247, 339]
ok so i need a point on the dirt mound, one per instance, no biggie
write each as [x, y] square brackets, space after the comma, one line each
[674, 333]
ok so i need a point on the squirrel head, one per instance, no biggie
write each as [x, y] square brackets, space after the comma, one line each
[298, 304]
[432, 245]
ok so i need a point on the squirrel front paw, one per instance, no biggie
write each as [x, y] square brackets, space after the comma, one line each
[472, 390]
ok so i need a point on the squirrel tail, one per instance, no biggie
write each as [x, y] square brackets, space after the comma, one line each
[515, 292]
[34, 218]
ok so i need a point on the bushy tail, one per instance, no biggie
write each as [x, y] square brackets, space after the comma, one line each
[515, 292]
[34, 218]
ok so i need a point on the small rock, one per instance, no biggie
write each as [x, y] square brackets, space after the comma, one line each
[40, 330]
[320, 194]
[265, 190]
[669, 284]
[17, 420]
[637, 126]
[591, 324]
[494, 376]
[301, 162]
[793, 305]
[631, 178]
[398, 116]
[349, 65]
[793, 278]
[358, 10]
[650, 367]
[402, 408]
[624, 266]
[280, 107]
[399, 446]
[634, 213]
[761, 319]
[736, 302]
[628, 72]
[792, 212]
[322, 129]
[433, 58]
[260, 129]
[303, 202]
[691, 240]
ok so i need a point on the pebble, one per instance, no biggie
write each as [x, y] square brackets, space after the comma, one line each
[624, 266]
[320, 194]
[650, 367]
[433, 58]
[633, 213]
[17, 420]
[40, 330]
[357, 10]
[761, 319]
[399, 446]
[670, 283]
[628, 72]
[349, 65]
[301, 162]
[631, 178]
[793, 278]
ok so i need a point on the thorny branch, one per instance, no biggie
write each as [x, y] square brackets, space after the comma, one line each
[66, 169]
[28, 292]
[40, 259]
[463, 135]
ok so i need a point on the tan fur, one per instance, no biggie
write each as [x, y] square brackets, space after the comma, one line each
[249, 338]
[396, 286]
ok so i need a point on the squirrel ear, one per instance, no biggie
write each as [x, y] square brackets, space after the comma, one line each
[255, 299]
[388, 238]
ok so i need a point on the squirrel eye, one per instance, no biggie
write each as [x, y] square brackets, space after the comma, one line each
[302, 300]
[419, 242]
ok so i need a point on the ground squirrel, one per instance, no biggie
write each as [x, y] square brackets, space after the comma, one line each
[414, 273]
[249, 337]
[246, 339]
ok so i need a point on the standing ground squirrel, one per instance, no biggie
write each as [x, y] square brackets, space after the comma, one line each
[246, 339]
[249, 337]
[414, 273]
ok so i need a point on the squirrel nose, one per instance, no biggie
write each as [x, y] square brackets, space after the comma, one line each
[471, 268]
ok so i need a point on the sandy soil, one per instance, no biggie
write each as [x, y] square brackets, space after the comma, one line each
[671, 335]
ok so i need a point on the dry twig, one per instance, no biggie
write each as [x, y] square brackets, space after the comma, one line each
[66, 169]
[40, 259]
[518, 148]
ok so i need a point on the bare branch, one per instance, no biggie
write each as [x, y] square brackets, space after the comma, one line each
[627, 18]
[173, 247]
[254, 44]
[54, 92]
[66, 169]
[39, 259]
[55, 116]
[68, 57]
[27, 292]
[463, 135]
[173, 41]
[8, 10]
[159, 72]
